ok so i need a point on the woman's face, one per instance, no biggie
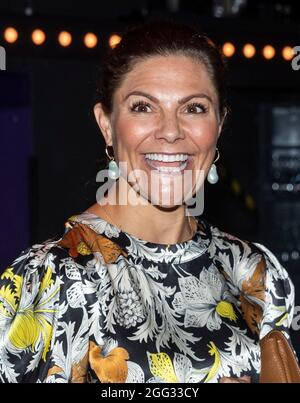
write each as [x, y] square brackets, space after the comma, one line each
[164, 123]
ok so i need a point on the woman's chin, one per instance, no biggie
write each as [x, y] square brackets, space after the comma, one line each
[166, 201]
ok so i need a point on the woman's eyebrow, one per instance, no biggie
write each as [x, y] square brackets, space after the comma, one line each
[198, 95]
[181, 101]
[143, 94]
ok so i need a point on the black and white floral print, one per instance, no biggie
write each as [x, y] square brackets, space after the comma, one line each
[100, 305]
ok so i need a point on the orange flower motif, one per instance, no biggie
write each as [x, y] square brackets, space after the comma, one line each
[255, 287]
[112, 368]
[55, 370]
[83, 240]
[70, 241]
[79, 371]
[78, 374]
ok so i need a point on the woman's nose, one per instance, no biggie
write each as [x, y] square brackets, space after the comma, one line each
[169, 129]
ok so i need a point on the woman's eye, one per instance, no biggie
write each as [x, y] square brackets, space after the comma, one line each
[140, 107]
[196, 108]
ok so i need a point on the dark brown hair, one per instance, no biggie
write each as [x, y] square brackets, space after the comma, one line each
[160, 38]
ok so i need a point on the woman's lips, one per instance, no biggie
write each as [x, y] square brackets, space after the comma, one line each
[161, 167]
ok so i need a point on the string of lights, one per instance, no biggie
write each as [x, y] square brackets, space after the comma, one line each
[11, 36]
[268, 51]
[64, 38]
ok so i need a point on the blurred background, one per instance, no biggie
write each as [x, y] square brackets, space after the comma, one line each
[51, 149]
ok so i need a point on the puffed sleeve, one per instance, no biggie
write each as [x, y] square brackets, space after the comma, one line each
[279, 299]
[29, 293]
[43, 318]
[264, 288]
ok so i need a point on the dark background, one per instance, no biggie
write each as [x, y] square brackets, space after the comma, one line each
[51, 149]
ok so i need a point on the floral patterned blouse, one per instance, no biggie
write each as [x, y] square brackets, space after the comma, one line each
[100, 305]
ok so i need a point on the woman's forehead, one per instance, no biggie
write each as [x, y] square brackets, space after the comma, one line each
[167, 73]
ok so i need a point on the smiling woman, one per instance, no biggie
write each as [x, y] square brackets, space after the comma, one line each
[141, 291]
[161, 108]
[165, 122]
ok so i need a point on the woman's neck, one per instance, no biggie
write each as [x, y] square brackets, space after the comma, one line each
[144, 220]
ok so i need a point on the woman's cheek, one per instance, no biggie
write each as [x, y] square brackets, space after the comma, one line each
[134, 129]
[204, 134]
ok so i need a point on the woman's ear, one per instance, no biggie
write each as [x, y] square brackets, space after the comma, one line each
[103, 121]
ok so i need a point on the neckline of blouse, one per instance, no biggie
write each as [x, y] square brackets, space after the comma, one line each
[200, 239]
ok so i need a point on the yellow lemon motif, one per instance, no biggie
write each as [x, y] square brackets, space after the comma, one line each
[161, 366]
[225, 310]
[29, 323]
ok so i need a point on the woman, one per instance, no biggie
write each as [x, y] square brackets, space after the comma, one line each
[142, 291]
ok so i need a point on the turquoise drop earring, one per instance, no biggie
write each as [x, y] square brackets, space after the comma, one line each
[113, 169]
[213, 176]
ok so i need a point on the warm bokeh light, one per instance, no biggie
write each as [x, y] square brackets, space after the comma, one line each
[250, 203]
[288, 53]
[65, 38]
[11, 35]
[236, 186]
[38, 37]
[228, 49]
[249, 51]
[268, 52]
[90, 40]
[114, 40]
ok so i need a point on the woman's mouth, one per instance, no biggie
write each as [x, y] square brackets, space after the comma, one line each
[170, 164]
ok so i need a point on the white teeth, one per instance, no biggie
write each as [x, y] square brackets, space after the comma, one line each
[170, 169]
[166, 157]
[173, 169]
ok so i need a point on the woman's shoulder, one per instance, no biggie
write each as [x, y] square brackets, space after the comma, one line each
[249, 264]
[246, 258]
[40, 258]
[256, 276]
[40, 290]
[79, 249]
[240, 247]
